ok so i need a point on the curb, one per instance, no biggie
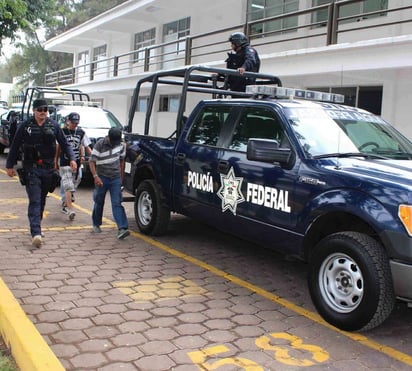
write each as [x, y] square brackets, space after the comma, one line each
[29, 349]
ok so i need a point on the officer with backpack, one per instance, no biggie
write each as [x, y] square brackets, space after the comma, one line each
[37, 138]
[242, 58]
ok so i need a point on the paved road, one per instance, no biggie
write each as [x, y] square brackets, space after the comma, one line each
[193, 299]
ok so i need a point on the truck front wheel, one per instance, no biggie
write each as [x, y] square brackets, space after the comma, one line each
[350, 281]
[152, 216]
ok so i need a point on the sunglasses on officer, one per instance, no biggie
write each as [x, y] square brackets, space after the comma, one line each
[42, 109]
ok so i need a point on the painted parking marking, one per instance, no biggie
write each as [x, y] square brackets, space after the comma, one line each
[199, 358]
[160, 289]
[361, 339]
[13, 201]
[281, 353]
[8, 216]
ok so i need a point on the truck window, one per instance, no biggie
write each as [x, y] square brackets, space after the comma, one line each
[256, 123]
[207, 126]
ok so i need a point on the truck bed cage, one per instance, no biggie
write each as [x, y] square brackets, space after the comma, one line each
[33, 93]
[199, 79]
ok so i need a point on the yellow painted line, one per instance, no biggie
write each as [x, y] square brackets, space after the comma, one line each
[389, 351]
[29, 349]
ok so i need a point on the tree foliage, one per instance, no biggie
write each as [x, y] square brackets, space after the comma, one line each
[48, 17]
[22, 15]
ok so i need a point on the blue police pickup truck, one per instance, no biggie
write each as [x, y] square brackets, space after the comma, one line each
[294, 170]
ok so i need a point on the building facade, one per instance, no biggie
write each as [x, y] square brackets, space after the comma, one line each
[361, 48]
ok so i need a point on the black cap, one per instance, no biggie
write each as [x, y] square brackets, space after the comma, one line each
[115, 136]
[74, 117]
[39, 103]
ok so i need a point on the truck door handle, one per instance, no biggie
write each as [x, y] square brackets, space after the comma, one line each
[180, 157]
[223, 166]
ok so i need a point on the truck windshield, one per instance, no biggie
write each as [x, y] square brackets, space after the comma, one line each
[339, 131]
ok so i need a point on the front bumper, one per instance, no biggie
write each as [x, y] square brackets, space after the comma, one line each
[402, 280]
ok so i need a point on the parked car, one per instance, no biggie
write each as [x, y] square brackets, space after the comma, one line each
[9, 119]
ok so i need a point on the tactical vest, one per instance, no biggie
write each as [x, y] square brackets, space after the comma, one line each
[74, 138]
[39, 143]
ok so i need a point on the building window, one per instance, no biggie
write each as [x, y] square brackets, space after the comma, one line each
[169, 103]
[143, 40]
[359, 8]
[179, 29]
[366, 97]
[142, 104]
[99, 53]
[261, 9]
[99, 65]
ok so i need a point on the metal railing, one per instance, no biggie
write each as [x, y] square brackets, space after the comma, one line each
[212, 46]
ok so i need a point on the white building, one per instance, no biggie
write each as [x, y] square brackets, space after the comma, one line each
[362, 48]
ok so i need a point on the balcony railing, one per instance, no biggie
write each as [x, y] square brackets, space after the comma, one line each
[210, 47]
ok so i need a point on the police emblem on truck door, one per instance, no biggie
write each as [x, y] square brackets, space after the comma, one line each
[230, 191]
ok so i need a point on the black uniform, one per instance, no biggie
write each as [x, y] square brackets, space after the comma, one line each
[247, 58]
[38, 145]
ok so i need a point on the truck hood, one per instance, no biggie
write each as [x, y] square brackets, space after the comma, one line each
[394, 171]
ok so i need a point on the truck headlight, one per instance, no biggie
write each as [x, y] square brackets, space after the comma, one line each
[405, 215]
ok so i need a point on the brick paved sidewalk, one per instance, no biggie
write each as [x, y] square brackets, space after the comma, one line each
[137, 304]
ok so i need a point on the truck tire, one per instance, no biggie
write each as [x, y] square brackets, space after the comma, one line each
[152, 216]
[350, 281]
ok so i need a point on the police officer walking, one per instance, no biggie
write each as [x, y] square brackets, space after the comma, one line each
[37, 137]
[243, 58]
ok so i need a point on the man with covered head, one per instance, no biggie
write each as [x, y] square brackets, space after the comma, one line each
[37, 138]
[107, 167]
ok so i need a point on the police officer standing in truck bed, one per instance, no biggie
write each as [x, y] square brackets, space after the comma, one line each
[243, 58]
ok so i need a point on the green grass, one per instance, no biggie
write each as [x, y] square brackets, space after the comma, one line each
[6, 360]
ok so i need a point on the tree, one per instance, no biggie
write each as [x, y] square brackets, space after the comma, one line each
[22, 15]
[51, 16]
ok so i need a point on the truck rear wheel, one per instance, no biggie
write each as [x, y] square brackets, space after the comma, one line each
[152, 216]
[350, 281]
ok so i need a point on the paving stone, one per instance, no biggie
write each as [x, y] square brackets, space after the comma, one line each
[160, 334]
[65, 350]
[127, 366]
[101, 332]
[129, 339]
[85, 360]
[84, 312]
[96, 345]
[158, 363]
[76, 323]
[69, 336]
[52, 316]
[124, 354]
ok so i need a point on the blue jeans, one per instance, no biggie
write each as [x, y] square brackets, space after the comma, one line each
[99, 194]
[38, 182]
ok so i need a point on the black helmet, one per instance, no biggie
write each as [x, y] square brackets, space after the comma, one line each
[238, 39]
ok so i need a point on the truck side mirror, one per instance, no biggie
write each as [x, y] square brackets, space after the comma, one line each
[268, 150]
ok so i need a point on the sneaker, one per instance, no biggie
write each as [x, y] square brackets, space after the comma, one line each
[123, 233]
[96, 229]
[64, 209]
[71, 214]
[36, 241]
